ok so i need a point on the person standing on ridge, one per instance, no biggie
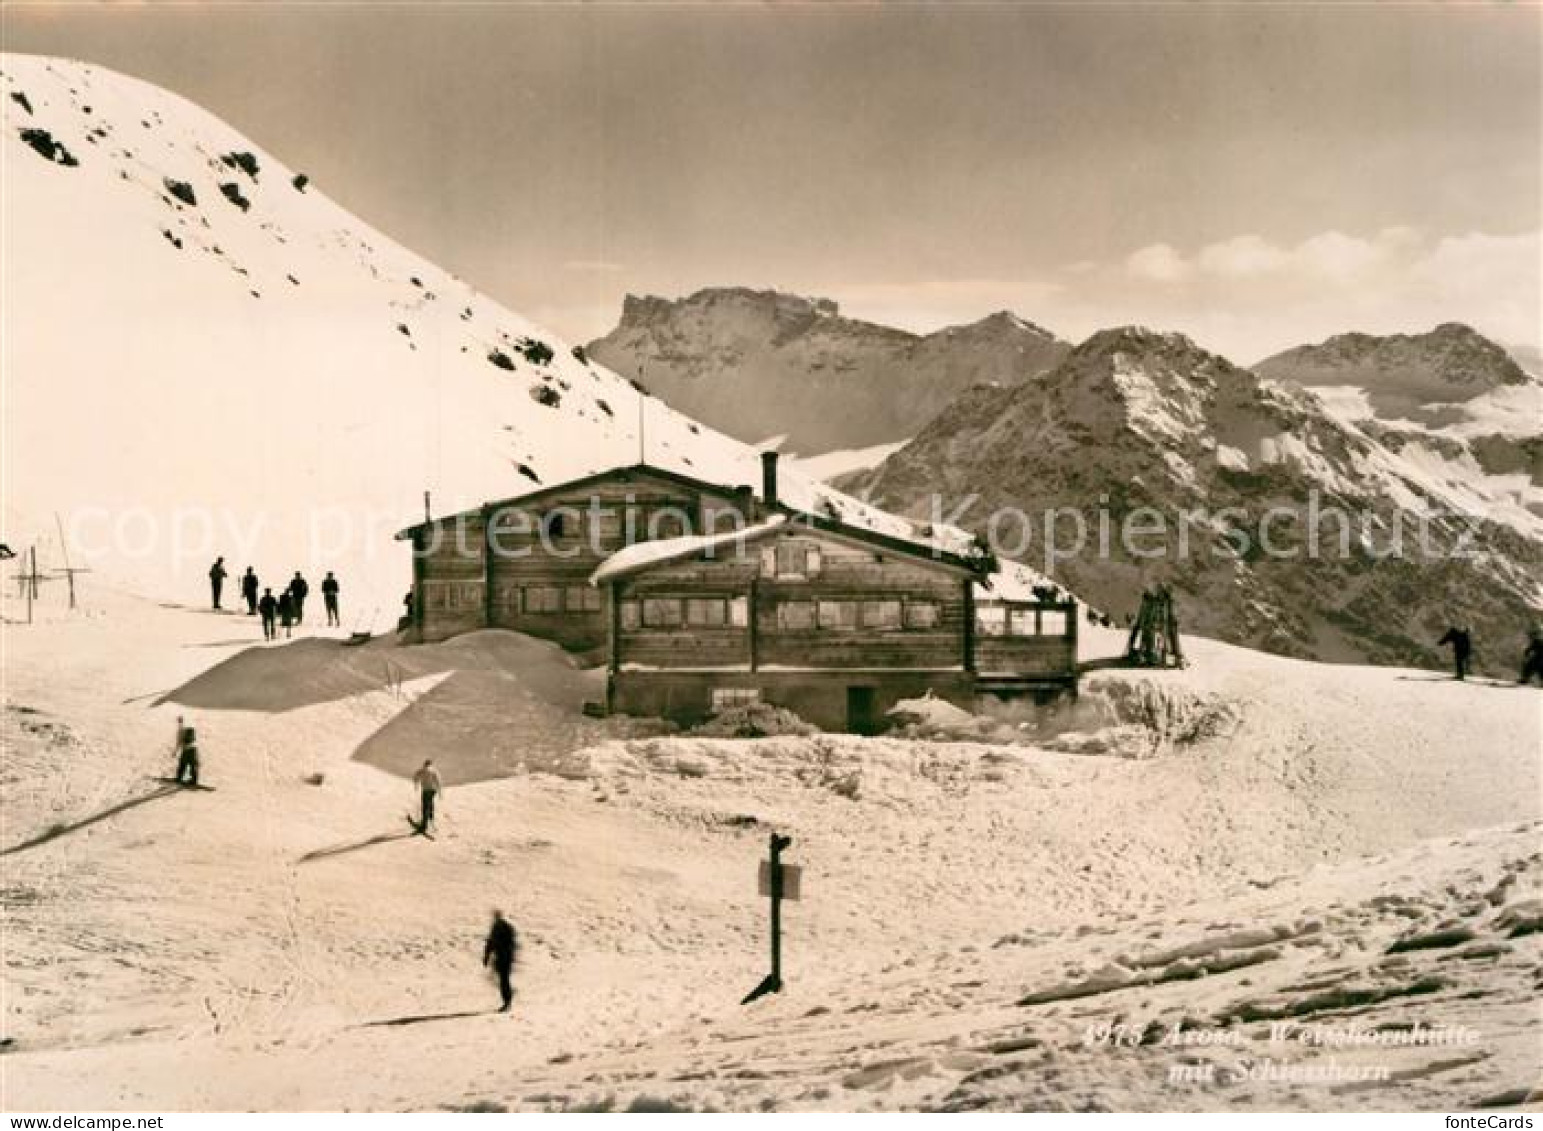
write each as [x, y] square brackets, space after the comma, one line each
[1462, 649]
[499, 951]
[217, 579]
[269, 608]
[297, 592]
[329, 594]
[429, 786]
[249, 591]
[286, 612]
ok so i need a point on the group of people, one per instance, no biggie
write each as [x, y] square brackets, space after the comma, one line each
[284, 611]
[498, 952]
[1460, 639]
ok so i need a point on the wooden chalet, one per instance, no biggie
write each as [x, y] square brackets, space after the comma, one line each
[492, 568]
[729, 599]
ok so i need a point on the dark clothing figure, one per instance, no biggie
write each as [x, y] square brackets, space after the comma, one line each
[428, 783]
[249, 591]
[187, 756]
[286, 611]
[1532, 659]
[1462, 649]
[329, 594]
[297, 594]
[217, 579]
[407, 611]
[499, 951]
[269, 608]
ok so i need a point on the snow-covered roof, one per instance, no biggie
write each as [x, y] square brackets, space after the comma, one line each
[1013, 581]
[641, 555]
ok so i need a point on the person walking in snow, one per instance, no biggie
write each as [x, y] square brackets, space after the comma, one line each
[249, 591]
[269, 608]
[286, 613]
[1532, 657]
[429, 785]
[1461, 641]
[297, 593]
[187, 753]
[217, 579]
[499, 952]
[329, 594]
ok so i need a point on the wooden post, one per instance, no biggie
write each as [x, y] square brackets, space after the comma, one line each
[778, 843]
[751, 622]
[487, 567]
[32, 580]
[969, 624]
[772, 983]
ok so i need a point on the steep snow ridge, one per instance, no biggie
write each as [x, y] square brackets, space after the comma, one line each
[204, 354]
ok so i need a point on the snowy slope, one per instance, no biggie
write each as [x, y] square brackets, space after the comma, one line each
[282, 943]
[203, 354]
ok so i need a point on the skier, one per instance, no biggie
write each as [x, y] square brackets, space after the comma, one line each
[217, 579]
[187, 754]
[286, 613]
[1532, 657]
[297, 591]
[269, 608]
[1462, 648]
[429, 785]
[329, 594]
[499, 950]
[249, 591]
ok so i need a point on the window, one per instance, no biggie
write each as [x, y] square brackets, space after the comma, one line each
[991, 620]
[707, 612]
[881, 615]
[739, 612]
[558, 524]
[450, 596]
[582, 599]
[543, 599]
[1020, 622]
[630, 615]
[726, 697]
[792, 561]
[921, 614]
[795, 616]
[661, 612]
[839, 615]
[1053, 622]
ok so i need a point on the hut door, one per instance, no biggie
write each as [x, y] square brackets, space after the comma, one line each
[862, 718]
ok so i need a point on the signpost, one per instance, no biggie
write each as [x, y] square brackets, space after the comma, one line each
[777, 881]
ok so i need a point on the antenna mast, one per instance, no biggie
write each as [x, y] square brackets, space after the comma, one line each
[642, 411]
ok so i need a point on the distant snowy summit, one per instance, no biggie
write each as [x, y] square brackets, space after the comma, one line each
[1452, 362]
[765, 363]
[1139, 422]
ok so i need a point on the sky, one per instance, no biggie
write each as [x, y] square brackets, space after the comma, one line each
[1256, 174]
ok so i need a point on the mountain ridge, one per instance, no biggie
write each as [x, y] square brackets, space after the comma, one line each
[759, 363]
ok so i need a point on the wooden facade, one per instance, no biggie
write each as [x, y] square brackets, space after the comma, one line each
[834, 622]
[525, 563]
[827, 623]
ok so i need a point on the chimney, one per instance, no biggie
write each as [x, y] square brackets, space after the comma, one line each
[769, 479]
